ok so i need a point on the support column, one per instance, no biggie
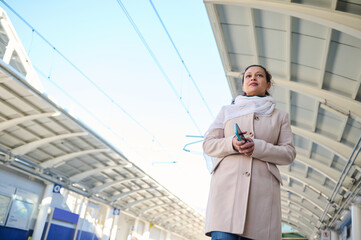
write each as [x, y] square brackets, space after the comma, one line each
[113, 231]
[108, 220]
[43, 212]
[79, 206]
[334, 235]
[81, 218]
[167, 237]
[356, 221]
[146, 231]
[135, 228]
[162, 235]
[65, 198]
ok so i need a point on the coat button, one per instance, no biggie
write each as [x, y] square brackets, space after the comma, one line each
[256, 118]
[251, 134]
[247, 174]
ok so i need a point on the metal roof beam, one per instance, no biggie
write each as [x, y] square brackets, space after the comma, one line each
[302, 195]
[309, 149]
[221, 44]
[342, 128]
[344, 119]
[253, 35]
[294, 225]
[154, 207]
[338, 148]
[300, 206]
[288, 60]
[189, 224]
[334, 4]
[175, 223]
[140, 201]
[309, 218]
[306, 172]
[357, 87]
[5, 78]
[344, 104]
[316, 186]
[288, 102]
[288, 47]
[14, 44]
[324, 58]
[55, 162]
[33, 145]
[296, 220]
[303, 218]
[315, 117]
[118, 196]
[170, 217]
[82, 175]
[112, 183]
[341, 21]
[162, 215]
[287, 213]
[13, 122]
[326, 171]
[301, 202]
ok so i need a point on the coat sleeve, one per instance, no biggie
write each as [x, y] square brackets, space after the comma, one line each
[216, 145]
[281, 153]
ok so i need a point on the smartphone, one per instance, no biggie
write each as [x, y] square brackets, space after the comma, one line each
[239, 133]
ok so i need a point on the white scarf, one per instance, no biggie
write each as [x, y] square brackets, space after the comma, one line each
[243, 105]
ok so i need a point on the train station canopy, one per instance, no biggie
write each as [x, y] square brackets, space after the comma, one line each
[313, 51]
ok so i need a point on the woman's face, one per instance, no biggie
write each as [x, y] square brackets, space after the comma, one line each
[255, 82]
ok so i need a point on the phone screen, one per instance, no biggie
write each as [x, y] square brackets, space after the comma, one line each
[239, 133]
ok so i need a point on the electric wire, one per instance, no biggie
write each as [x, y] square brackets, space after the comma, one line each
[157, 62]
[182, 60]
[80, 71]
[31, 42]
[34, 31]
[87, 110]
[76, 101]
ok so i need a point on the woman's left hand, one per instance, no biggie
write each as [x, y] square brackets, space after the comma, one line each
[247, 148]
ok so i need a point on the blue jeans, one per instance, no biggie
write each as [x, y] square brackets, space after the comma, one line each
[226, 236]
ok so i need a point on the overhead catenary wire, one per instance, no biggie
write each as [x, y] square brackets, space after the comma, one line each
[155, 59]
[80, 71]
[86, 109]
[76, 101]
[186, 68]
[182, 60]
[31, 42]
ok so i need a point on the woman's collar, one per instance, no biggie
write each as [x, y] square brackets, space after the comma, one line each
[254, 95]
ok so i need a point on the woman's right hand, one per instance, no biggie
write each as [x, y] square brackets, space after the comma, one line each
[246, 149]
[236, 143]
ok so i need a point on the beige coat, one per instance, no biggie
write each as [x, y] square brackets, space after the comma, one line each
[244, 196]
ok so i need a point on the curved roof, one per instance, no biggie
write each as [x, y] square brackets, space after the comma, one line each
[313, 51]
[41, 139]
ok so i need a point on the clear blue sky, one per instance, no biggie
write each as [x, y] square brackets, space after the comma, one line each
[98, 38]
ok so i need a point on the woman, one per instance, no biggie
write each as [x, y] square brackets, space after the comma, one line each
[244, 200]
